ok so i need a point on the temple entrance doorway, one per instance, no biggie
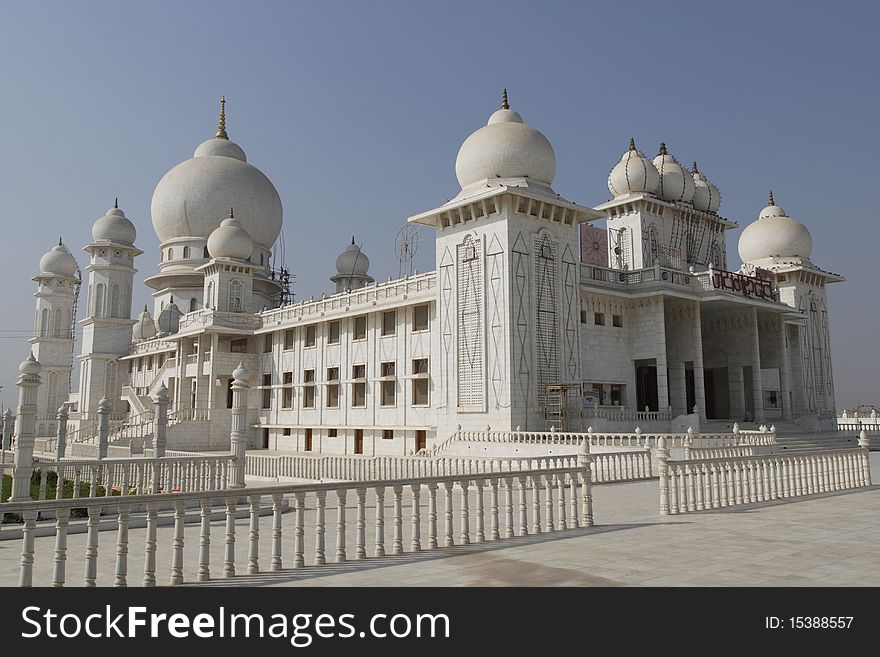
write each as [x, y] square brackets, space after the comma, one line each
[646, 385]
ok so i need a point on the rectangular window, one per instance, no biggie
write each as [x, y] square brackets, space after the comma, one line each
[333, 333]
[130, 366]
[599, 319]
[140, 364]
[583, 317]
[288, 339]
[149, 362]
[617, 320]
[238, 346]
[333, 388]
[420, 318]
[267, 392]
[359, 387]
[387, 434]
[161, 361]
[311, 336]
[267, 343]
[285, 431]
[389, 387]
[389, 322]
[332, 433]
[287, 393]
[360, 328]
[309, 389]
[420, 385]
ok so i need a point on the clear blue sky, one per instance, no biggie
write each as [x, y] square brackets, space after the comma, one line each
[356, 111]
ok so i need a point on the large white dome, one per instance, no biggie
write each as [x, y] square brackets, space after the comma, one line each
[191, 198]
[505, 148]
[633, 174]
[115, 227]
[775, 234]
[58, 262]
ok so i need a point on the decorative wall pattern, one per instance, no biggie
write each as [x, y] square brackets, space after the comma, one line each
[497, 325]
[471, 327]
[546, 313]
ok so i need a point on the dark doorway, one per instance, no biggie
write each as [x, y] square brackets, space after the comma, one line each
[646, 387]
[421, 439]
[689, 390]
[265, 439]
[358, 441]
[308, 441]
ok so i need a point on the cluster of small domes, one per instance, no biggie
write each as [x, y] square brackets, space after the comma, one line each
[664, 177]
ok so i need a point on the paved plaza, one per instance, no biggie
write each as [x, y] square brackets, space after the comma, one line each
[823, 540]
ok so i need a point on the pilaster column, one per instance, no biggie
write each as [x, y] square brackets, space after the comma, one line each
[699, 379]
[61, 436]
[784, 374]
[662, 374]
[28, 384]
[757, 392]
[103, 427]
[160, 413]
[238, 436]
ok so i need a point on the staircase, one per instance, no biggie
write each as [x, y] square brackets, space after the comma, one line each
[788, 442]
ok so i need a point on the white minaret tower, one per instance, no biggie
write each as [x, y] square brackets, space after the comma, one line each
[778, 245]
[229, 275]
[507, 267]
[57, 289]
[107, 327]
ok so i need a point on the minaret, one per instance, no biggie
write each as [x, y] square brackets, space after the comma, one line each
[107, 327]
[52, 344]
[229, 275]
[351, 269]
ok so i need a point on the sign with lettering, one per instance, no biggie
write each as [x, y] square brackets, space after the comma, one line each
[748, 286]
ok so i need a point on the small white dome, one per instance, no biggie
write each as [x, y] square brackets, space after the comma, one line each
[58, 262]
[30, 365]
[115, 227]
[230, 240]
[633, 174]
[352, 261]
[676, 184]
[505, 148]
[707, 198]
[775, 234]
[220, 147]
[169, 318]
[144, 328]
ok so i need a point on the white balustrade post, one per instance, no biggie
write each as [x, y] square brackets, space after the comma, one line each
[360, 548]
[432, 516]
[449, 539]
[865, 444]
[150, 545]
[26, 573]
[397, 521]
[92, 546]
[379, 550]
[25, 428]
[480, 514]
[239, 433]
[299, 531]
[341, 506]
[536, 504]
[584, 460]
[62, 521]
[8, 428]
[177, 543]
[160, 422]
[416, 545]
[320, 506]
[205, 541]
[229, 546]
[122, 545]
[104, 408]
[61, 435]
[254, 536]
[663, 458]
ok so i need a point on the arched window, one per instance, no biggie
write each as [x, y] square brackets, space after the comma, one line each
[185, 252]
[114, 301]
[99, 300]
[234, 303]
[170, 253]
[192, 305]
[209, 301]
[126, 302]
[261, 259]
[44, 323]
[59, 327]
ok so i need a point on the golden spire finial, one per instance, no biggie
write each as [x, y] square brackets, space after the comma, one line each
[221, 127]
[504, 103]
[772, 202]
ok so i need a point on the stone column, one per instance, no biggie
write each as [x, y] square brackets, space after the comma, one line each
[699, 381]
[61, 436]
[238, 437]
[784, 376]
[678, 388]
[28, 383]
[8, 428]
[160, 421]
[735, 391]
[103, 427]
[757, 392]
[662, 374]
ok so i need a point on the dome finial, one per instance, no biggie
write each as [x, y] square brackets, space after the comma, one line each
[352, 240]
[116, 202]
[221, 127]
[772, 202]
[695, 169]
[231, 214]
[59, 241]
[632, 144]
[662, 149]
[504, 103]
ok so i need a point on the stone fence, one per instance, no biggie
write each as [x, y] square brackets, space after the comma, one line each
[561, 494]
[709, 483]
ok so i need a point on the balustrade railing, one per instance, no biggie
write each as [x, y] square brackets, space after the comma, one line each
[714, 483]
[470, 509]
